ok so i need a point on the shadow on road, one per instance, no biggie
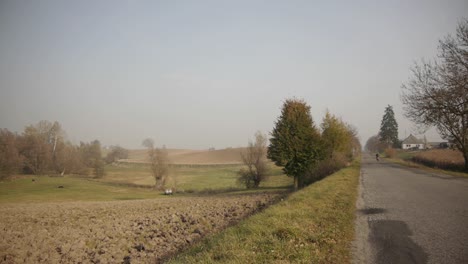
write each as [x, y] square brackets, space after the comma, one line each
[393, 243]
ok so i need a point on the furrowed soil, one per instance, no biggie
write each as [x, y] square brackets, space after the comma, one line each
[138, 231]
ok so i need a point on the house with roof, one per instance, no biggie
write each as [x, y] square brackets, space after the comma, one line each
[412, 142]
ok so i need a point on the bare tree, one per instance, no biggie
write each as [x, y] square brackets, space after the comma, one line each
[10, 160]
[254, 158]
[437, 93]
[159, 163]
[91, 156]
[35, 149]
[116, 153]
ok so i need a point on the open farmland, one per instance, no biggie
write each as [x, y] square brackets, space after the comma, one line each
[141, 231]
[119, 218]
[189, 178]
[185, 156]
[446, 159]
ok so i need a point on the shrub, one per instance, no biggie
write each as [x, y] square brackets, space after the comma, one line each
[390, 153]
[324, 168]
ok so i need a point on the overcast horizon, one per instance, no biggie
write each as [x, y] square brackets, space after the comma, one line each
[207, 74]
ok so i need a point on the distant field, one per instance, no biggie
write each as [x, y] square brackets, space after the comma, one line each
[192, 178]
[131, 181]
[45, 189]
[441, 158]
[185, 156]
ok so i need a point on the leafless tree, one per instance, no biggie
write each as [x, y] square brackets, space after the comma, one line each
[159, 163]
[10, 160]
[116, 153]
[254, 158]
[437, 93]
[91, 156]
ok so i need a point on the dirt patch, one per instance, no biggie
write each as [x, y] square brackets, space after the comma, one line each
[141, 231]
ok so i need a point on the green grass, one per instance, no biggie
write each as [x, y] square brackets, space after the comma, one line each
[132, 181]
[192, 178]
[314, 225]
[45, 189]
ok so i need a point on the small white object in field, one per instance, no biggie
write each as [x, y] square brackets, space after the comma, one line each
[168, 191]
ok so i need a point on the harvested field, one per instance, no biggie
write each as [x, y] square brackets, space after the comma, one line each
[143, 231]
[446, 159]
[184, 156]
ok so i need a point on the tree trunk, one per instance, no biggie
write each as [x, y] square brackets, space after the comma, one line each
[296, 183]
[465, 156]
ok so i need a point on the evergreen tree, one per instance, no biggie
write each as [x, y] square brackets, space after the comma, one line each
[389, 128]
[295, 142]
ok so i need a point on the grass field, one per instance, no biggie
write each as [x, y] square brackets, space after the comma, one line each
[131, 181]
[314, 225]
[45, 189]
[192, 178]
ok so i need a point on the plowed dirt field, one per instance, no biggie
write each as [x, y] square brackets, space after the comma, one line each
[137, 231]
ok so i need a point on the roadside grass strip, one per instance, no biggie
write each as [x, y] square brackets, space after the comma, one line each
[313, 225]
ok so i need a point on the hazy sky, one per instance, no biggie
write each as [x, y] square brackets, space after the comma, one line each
[199, 74]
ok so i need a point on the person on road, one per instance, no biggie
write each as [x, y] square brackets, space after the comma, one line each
[377, 156]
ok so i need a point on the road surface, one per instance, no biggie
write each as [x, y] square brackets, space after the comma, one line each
[406, 215]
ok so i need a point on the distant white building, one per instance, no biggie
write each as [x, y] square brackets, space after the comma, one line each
[412, 142]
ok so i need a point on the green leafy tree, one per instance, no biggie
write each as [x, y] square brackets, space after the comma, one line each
[340, 146]
[335, 136]
[389, 128]
[295, 142]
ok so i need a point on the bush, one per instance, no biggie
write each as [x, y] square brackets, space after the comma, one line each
[246, 178]
[390, 153]
[325, 168]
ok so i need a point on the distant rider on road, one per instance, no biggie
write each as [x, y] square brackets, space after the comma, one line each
[377, 156]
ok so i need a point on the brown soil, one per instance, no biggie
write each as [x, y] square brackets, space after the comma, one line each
[184, 156]
[142, 231]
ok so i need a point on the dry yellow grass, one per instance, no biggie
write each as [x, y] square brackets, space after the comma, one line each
[446, 159]
[185, 156]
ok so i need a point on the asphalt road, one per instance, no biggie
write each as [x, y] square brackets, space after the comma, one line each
[407, 215]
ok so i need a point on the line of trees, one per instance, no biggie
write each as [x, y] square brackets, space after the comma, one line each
[43, 149]
[306, 152]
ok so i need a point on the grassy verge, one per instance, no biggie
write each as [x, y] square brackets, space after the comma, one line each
[314, 225]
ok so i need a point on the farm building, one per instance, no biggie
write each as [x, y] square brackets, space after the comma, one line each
[412, 142]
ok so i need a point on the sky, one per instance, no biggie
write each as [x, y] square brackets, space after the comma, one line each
[201, 74]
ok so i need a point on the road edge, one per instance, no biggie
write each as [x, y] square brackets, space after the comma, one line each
[361, 247]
